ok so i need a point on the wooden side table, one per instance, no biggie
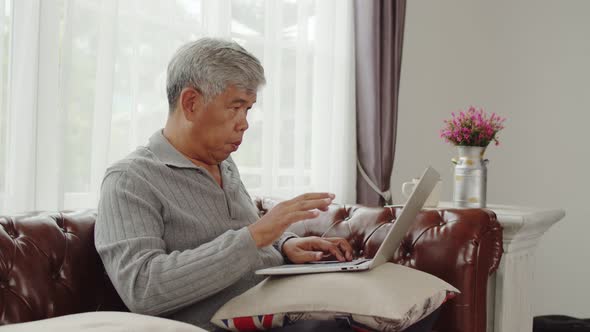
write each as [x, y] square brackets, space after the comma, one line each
[509, 289]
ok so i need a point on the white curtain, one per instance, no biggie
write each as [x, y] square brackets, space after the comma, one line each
[83, 83]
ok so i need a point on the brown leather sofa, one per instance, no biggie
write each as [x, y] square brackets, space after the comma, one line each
[49, 267]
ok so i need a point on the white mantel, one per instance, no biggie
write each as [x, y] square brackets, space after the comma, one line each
[509, 289]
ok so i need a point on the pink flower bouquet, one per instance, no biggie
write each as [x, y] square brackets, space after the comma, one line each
[472, 128]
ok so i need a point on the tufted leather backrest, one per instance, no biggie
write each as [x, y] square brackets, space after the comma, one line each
[49, 267]
[462, 247]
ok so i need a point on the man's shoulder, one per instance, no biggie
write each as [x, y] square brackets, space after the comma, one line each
[137, 161]
[137, 174]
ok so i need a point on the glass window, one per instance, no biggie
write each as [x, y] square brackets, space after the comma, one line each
[5, 24]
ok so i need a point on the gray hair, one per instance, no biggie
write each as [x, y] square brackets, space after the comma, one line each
[211, 65]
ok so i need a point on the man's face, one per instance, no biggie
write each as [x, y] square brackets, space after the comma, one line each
[219, 125]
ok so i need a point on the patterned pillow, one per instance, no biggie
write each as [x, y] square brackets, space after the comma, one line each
[390, 297]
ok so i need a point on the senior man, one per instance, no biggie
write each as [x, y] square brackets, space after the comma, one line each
[176, 230]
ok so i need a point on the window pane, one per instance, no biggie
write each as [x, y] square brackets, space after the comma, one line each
[5, 9]
[291, 75]
[250, 153]
[78, 61]
[247, 20]
[145, 44]
[247, 29]
[287, 109]
[145, 36]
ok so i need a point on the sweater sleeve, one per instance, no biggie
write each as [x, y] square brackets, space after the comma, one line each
[129, 239]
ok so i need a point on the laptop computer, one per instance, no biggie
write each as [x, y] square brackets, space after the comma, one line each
[389, 245]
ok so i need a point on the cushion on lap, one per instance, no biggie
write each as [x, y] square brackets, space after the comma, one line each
[390, 297]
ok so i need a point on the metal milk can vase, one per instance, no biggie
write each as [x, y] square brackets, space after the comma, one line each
[470, 177]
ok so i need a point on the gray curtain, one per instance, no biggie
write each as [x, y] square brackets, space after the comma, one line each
[379, 31]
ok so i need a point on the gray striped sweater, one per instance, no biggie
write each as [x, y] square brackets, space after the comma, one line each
[172, 241]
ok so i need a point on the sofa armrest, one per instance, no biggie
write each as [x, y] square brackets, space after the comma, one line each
[460, 246]
[49, 267]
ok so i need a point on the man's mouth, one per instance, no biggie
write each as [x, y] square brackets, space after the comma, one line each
[235, 145]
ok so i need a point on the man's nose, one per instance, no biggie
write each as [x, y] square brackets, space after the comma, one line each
[242, 124]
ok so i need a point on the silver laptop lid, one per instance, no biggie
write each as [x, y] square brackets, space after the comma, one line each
[408, 215]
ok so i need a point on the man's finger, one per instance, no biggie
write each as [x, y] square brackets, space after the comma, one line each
[343, 245]
[313, 204]
[310, 256]
[296, 216]
[312, 196]
[332, 248]
[319, 204]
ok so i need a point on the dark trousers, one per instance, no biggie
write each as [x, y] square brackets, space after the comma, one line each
[424, 325]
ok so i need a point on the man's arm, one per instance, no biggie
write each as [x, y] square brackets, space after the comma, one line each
[278, 244]
[128, 234]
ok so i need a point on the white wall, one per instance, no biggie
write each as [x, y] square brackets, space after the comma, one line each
[528, 60]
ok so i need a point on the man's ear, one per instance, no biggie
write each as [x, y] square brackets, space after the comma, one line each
[191, 100]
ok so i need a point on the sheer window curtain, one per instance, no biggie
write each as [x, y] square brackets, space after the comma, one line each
[83, 84]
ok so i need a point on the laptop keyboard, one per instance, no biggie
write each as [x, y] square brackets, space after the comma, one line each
[338, 263]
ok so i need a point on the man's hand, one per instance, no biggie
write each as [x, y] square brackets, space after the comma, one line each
[309, 249]
[270, 227]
